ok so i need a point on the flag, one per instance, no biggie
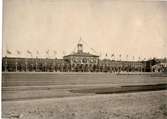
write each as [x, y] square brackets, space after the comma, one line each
[80, 40]
[54, 52]
[29, 52]
[18, 52]
[100, 54]
[47, 52]
[37, 52]
[64, 53]
[139, 58]
[9, 52]
[127, 57]
[112, 55]
[133, 57]
[93, 50]
[120, 56]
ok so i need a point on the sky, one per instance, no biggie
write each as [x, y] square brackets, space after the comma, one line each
[133, 28]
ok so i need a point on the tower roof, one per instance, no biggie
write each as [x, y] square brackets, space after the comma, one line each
[80, 51]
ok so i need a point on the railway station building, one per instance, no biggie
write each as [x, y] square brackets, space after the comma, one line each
[80, 60]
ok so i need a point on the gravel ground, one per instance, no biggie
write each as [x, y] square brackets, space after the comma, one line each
[143, 105]
[49, 85]
[48, 79]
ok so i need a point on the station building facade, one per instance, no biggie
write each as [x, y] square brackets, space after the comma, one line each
[78, 61]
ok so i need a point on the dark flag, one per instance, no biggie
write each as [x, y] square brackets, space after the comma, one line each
[54, 52]
[120, 57]
[100, 54]
[112, 56]
[18, 52]
[37, 52]
[80, 40]
[127, 57]
[106, 54]
[9, 52]
[29, 52]
[133, 57]
[47, 52]
[139, 58]
[64, 53]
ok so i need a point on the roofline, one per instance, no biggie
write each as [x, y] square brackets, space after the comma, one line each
[81, 55]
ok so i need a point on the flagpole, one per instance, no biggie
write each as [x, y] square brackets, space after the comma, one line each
[54, 61]
[6, 63]
[16, 64]
[47, 57]
[18, 53]
[36, 61]
[32, 65]
[36, 64]
[26, 63]
[127, 57]
[29, 52]
[45, 65]
[120, 56]
[139, 63]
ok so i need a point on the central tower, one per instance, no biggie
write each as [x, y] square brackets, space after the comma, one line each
[80, 48]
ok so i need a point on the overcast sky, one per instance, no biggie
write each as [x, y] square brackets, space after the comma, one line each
[113, 27]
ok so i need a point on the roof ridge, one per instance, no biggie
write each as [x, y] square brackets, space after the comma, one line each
[82, 54]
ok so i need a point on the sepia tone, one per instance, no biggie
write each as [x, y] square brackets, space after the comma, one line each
[84, 59]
